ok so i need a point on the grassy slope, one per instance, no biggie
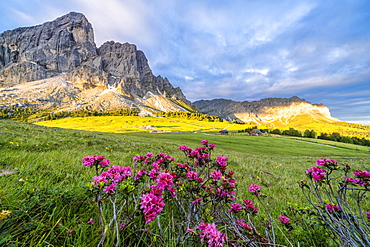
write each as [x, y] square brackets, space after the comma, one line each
[47, 192]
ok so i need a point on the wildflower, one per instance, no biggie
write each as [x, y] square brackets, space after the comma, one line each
[351, 180]
[254, 188]
[245, 225]
[110, 188]
[191, 175]
[332, 208]
[69, 232]
[197, 199]
[152, 205]
[316, 173]
[210, 232]
[216, 175]
[362, 174]
[368, 215]
[95, 160]
[4, 214]
[140, 173]
[165, 181]
[185, 148]
[122, 226]
[249, 206]
[221, 162]
[235, 207]
[91, 221]
[283, 219]
[104, 163]
[211, 146]
[326, 162]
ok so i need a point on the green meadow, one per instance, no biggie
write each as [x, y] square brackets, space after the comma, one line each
[44, 183]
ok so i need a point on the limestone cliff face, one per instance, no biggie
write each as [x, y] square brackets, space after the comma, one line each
[45, 50]
[270, 110]
[64, 50]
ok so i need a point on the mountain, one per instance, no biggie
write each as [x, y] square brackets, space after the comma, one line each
[57, 65]
[270, 111]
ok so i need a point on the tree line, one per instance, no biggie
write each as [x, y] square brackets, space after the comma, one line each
[31, 113]
[337, 137]
[190, 115]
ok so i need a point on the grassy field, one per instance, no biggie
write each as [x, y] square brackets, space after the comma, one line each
[127, 124]
[45, 190]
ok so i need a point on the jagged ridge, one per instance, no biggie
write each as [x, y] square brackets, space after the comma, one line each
[64, 51]
[269, 111]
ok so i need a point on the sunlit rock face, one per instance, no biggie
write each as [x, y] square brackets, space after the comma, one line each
[270, 110]
[66, 69]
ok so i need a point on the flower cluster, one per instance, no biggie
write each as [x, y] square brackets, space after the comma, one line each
[316, 173]
[326, 162]
[254, 188]
[203, 184]
[332, 208]
[152, 204]
[111, 178]
[210, 232]
[245, 225]
[362, 178]
[283, 219]
[95, 160]
[368, 215]
[249, 206]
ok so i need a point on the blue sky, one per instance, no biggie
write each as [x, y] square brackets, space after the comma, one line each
[236, 49]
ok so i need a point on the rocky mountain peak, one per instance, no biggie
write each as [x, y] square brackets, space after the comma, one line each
[265, 111]
[65, 48]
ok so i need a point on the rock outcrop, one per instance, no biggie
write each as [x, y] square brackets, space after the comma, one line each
[64, 50]
[265, 111]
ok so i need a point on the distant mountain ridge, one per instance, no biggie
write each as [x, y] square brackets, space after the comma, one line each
[270, 111]
[67, 70]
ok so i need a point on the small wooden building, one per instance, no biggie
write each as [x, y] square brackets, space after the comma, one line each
[255, 132]
[224, 132]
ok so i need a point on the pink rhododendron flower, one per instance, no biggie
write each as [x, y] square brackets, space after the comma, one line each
[95, 160]
[152, 205]
[216, 175]
[249, 206]
[332, 208]
[323, 162]
[283, 219]
[245, 225]
[221, 162]
[351, 180]
[368, 215]
[191, 175]
[210, 232]
[140, 173]
[164, 181]
[211, 146]
[204, 142]
[197, 199]
[253, 188]
[110, 188]
[185, 148]
[362, 174]
[235, 207]
[316, 173]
